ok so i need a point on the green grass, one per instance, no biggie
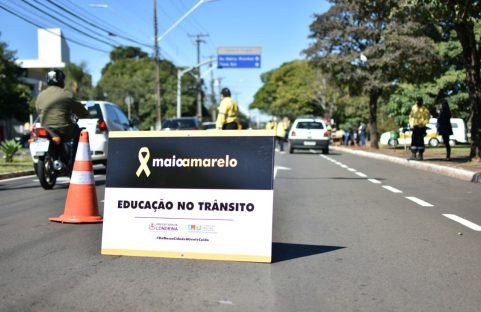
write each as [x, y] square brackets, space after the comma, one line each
[20, 163]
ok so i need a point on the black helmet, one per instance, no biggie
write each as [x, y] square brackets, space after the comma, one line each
[419, 100]
[56, 77]
[225, 92]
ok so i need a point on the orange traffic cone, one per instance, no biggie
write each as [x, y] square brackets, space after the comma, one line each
[81, 204]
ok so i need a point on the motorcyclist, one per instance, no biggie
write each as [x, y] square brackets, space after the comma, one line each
[58, 110]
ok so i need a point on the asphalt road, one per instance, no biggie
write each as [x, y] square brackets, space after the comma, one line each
[350, 234]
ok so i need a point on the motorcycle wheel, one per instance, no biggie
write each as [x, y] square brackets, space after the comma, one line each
[45, 172]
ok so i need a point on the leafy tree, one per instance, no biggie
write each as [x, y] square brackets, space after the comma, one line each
[14, 96]
[449, 84]
[463, 16]
[131, 72]
[370, 47]
[79, 81]
[294, 89]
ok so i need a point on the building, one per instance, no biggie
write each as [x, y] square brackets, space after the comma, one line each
[53, 52]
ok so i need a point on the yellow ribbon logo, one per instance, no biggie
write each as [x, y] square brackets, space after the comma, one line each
[143, 161]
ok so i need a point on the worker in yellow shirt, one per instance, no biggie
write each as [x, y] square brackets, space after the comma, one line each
[272, 124]
[418, 119]
[228, 116]
[281, 132]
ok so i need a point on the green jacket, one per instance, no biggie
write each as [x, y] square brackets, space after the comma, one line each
[56, 106]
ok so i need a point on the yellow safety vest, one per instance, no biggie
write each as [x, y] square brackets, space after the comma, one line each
[228, 112]
[419, 116]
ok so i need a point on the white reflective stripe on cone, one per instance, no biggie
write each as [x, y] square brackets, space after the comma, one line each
[82, 177]
[83, 152]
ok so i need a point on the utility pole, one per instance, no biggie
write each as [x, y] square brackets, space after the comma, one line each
[157, 71]
[213, 100]
[198, 41]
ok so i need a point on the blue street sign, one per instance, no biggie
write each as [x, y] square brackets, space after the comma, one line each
[239, 61]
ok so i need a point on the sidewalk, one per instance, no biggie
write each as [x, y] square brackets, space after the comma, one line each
[458, 167]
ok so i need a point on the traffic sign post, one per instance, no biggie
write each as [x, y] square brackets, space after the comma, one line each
[239, 57]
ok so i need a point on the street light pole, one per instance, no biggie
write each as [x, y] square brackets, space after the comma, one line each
[181, 73]
[157, 39]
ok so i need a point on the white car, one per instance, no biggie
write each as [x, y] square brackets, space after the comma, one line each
[432, 138]
[309, 133]
[104, 117]
[405, 136]
[459, 131]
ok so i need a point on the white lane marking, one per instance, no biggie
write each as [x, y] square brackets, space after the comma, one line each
[419, 201]
[276, 168]
[18, 178]
[374, 181]
[344, 166]
[469, 224]
[392, 189]
[361, 174]
[351, 169]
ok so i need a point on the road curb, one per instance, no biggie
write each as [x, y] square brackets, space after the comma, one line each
[460, 174]
[4, 176]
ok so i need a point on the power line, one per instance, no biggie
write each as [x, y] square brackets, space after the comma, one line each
[77, 23]
[39, 26]
[98, 27]
[66, 24]
[93, 18]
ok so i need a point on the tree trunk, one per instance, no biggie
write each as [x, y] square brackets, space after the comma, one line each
[466, 35]
[373, 97]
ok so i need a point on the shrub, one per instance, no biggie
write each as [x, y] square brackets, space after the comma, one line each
[9, 148]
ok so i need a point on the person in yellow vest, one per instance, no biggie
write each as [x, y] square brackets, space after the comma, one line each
[281, 132]
[418, 119]
[272, 124]
[228, 116]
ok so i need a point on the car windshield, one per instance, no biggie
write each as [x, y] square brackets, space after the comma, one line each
[180, 124]
[94, 111]
[209, 125]
[309, 125]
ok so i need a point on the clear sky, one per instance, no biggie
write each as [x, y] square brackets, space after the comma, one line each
[279, 27]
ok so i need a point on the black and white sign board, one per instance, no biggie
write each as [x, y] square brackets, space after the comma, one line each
[190, 194]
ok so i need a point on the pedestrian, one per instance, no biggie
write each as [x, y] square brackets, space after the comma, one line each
[228, 116]
[281, 131]
[362, 134]
[287, 126]
[347, 136]
[444, 126]
[272, 124]
[58, 110]
[355, 137]
[418, 119]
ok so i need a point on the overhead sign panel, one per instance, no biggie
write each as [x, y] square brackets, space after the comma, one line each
[239, 57]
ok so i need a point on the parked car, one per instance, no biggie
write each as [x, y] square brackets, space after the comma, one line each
[404, 136]
[182, 123]
[460, 133]
[104, 117]
[432, 138]
[309, 133]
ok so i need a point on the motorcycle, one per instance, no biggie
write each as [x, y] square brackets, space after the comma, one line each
[52, 156]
